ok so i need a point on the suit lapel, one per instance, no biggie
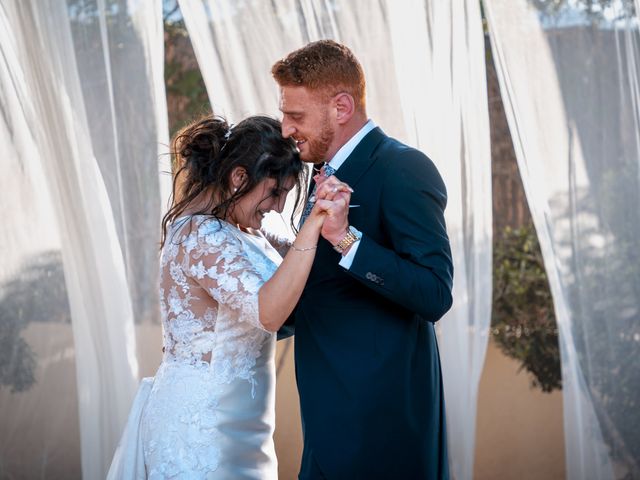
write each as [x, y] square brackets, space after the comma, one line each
[361, 158]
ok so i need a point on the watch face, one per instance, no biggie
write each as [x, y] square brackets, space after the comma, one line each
[356, 233]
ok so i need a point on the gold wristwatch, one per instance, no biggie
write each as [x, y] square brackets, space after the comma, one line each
[349, 239]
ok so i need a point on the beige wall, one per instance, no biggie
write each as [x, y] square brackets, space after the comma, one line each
[40, 438]
[519, 432]
[288, 436]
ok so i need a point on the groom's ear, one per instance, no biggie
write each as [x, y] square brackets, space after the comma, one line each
[345, 107]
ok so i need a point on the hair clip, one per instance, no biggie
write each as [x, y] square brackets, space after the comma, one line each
[228, 134]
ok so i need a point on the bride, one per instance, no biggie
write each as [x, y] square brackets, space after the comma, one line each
[209, 412]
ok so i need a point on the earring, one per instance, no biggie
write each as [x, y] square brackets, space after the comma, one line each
[235, 190]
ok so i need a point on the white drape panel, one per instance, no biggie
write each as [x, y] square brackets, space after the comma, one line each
[426, 85]
[119, 52]
[570, 86]
[82, 113]
[147, 18]
[235, 44]
[37, 379]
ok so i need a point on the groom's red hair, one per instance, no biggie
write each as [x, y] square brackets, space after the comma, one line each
[324, 66]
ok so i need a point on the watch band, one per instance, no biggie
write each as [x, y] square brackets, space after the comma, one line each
[349, 239]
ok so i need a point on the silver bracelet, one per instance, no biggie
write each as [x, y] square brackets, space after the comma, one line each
[302, 249]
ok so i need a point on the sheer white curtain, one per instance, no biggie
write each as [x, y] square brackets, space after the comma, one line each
[424, 63]
[119, 51]
[81, 119]
[569, 78]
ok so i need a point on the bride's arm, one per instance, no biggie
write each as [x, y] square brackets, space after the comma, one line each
[280, 294]
[217, 261]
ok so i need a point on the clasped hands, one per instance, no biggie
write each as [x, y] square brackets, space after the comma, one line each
[332, 199]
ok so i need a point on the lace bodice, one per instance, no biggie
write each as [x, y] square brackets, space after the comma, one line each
[210, 278]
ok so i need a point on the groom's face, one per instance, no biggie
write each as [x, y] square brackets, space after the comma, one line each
[306, 117]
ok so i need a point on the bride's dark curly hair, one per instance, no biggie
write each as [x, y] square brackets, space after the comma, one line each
[206, 152]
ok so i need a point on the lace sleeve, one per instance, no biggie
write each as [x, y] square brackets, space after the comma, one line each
[217, 261]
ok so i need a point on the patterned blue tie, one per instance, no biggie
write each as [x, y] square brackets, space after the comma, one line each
[327, 171]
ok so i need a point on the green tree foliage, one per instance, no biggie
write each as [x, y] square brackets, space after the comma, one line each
[37, 293]
[186, 93]
[523, 320]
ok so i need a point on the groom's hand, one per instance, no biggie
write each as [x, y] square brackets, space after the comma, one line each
[336, 223]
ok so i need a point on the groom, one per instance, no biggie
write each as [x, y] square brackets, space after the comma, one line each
[367, 363]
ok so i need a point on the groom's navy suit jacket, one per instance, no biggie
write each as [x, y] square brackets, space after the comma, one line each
[367, 363]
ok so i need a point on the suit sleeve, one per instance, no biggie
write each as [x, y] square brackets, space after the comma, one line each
[415, 269]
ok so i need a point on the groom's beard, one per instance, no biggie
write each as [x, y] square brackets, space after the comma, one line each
[319, 146]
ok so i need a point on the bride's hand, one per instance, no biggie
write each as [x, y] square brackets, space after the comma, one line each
[324, 216]
[336, 224]
[332, 202]
[318, 214]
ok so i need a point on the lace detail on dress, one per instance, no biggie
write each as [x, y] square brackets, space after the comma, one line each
[210, 281]
[209, 276]
[181, 424]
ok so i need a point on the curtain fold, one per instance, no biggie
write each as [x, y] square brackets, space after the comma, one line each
[569, 79]
[82, 113]
[426, 85]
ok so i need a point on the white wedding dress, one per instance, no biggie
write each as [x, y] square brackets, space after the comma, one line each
[210, 410]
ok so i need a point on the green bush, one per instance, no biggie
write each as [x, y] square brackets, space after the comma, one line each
[523, 320]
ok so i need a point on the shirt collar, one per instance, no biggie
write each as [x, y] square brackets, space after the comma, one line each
[344, 152]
